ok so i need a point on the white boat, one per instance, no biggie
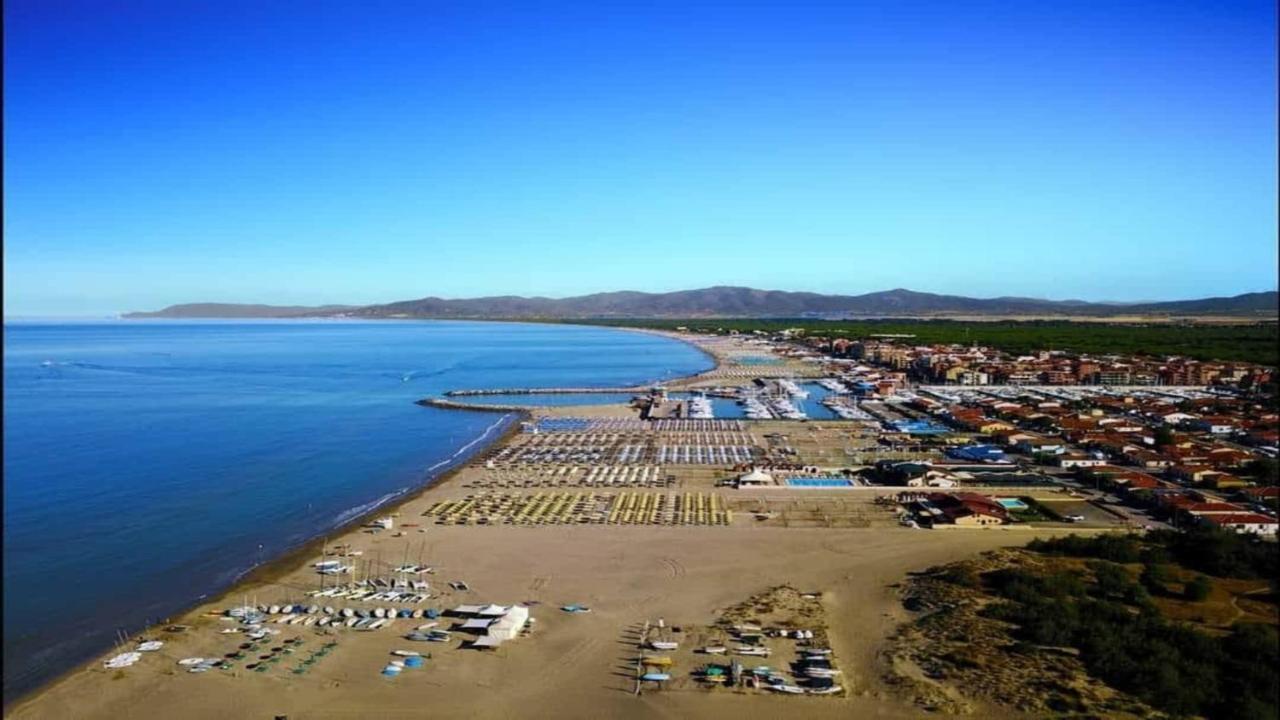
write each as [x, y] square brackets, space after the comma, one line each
[752, 651]
[274, 610]
[123, 660]
[792, 689]
[377, 612]
[663, 645]
[150, 646]
[715, 650]
[821, 672]
[406, 653]
[187, 662]
[426, 626]
[825, 691]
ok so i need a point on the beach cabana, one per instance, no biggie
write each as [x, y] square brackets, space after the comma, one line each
[755, 478]
[508, 627]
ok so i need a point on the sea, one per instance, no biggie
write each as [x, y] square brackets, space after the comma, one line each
[149, 464]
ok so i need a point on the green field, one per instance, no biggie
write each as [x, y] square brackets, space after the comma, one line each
[1254, 343]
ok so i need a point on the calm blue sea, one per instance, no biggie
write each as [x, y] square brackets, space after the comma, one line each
[150, 463]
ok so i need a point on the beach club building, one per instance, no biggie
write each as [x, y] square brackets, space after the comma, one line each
[494, 624]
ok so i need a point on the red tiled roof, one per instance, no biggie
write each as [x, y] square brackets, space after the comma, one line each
[1212, 508]
[1244, 518]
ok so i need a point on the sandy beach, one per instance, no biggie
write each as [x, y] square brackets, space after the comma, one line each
[570, 664]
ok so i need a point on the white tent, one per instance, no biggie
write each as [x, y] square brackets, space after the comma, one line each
[477, 624]
[492, 611]
[508, 627]
[756, 477]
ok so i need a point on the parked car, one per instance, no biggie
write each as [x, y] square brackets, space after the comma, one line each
[1075, 517]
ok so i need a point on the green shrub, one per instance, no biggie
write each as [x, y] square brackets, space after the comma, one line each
[1198, 589]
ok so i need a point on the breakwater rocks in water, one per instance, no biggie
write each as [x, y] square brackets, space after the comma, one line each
[455, 405]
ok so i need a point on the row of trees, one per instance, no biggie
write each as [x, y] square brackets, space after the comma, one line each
[1255, 343]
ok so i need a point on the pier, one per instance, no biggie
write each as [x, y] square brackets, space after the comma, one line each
[454, 405]
[547, 391]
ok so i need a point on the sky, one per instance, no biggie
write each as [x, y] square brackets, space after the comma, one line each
[158, 152]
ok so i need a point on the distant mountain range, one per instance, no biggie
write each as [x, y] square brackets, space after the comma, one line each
[737, 302]
[238, 310]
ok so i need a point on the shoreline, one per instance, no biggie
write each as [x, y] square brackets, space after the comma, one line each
[293, 559]
[288, 561]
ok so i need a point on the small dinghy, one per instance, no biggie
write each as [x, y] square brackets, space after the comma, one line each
[655, 677]
[123, 660]
[406, 653]
[663, 645]
[715, 650]
[150, 646]
[190, 661]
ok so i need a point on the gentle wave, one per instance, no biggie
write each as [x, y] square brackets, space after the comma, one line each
[355, 512]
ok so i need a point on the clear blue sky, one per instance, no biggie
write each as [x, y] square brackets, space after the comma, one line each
[356, 152]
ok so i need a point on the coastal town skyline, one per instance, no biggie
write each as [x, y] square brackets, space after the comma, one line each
[159, 153]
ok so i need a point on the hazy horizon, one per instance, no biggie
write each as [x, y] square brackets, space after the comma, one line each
[300, 154]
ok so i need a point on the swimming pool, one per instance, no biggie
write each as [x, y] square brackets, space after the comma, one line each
[819, 482]
[1012, 504]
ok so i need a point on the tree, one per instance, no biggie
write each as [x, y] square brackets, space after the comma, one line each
[1153, 578]
[1265, 470]
[1198, 589]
